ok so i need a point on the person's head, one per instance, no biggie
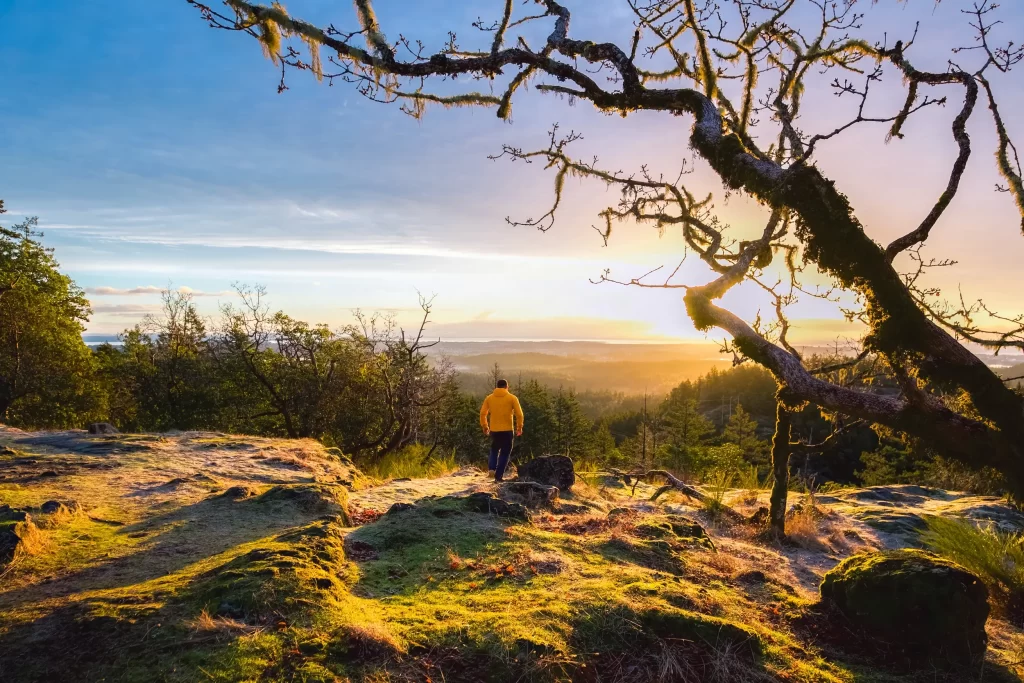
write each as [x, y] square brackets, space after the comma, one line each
[502, 384]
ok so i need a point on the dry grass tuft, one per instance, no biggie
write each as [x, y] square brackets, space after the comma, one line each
[204, 623]
[33, 541]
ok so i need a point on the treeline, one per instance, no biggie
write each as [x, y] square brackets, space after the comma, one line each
[367, 388]
[372, 390]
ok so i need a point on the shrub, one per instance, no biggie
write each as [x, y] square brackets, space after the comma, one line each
[995, 556]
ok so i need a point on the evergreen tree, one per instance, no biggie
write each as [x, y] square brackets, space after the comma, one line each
[685, 428]
[742, 431]
[539, 436]
[572, 428]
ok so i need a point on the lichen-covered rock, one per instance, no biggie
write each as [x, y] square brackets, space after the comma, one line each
[553, 470]
[920, 605]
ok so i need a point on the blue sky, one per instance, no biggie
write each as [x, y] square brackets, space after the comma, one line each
[156, 150]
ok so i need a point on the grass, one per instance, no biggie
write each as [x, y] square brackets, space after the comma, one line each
[995, 556]
[271, 585]
[411, 462]
[752, 483]
[717, 484]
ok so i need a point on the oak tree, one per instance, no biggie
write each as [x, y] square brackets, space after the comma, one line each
[737, 72]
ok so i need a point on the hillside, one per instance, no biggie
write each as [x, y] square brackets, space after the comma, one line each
[584, 366]
[200, 556]
[1016, 371]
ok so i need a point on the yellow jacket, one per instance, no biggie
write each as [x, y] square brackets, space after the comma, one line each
[502, 406]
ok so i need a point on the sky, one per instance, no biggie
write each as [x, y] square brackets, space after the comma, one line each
[157, 153]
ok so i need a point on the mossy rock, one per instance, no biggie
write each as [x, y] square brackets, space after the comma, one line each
[622, 631]
[335, 452]
[299, 568]
[718, 634]
[918, 604]
[314, 498]
[675, 528]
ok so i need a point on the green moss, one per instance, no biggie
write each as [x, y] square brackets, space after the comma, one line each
[281, 579]
[313, 498]
[919, 604]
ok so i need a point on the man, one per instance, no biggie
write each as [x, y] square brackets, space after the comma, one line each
[506, 415]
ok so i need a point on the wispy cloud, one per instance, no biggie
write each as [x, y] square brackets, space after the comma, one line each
[147, 289]
[133, 310]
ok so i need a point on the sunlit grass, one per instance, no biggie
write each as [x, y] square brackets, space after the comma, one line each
[412, 462]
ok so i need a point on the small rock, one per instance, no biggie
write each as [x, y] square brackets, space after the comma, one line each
[553, 470]
[530, 493]
[618, 513]
[360, 551]
[925, 607]
[399, 507]
[9, 514]
[239, 493]
[754, 576]
[482, 501]
[52, 506]
[760, 517]
[564, 508]
[102, 428]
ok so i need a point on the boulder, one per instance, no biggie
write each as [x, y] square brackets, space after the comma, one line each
[530, 493]
[102, 428]
[923, 607]
[553, 470]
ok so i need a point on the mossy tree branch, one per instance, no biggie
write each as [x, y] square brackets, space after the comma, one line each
[902, 330]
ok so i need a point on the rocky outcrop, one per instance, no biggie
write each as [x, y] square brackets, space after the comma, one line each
[899, 512]
[553, 470]
[922, 607]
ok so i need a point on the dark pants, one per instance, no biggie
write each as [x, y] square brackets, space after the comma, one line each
[501, 448]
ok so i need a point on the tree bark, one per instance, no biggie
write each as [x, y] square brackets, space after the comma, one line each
[780, 469]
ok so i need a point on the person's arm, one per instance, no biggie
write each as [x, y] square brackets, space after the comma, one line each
[484, 409]
[519, 417]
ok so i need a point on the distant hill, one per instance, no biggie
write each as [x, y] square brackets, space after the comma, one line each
[584, 366]
[1013, 371]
